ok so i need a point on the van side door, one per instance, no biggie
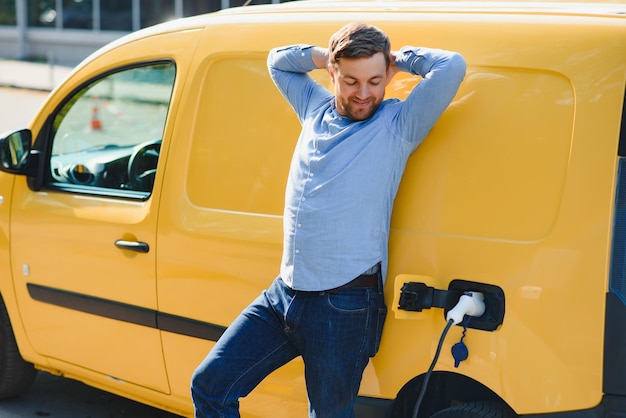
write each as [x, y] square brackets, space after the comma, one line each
[220, 224]
[83, 245]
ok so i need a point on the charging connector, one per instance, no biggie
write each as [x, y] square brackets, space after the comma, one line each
[470, 303]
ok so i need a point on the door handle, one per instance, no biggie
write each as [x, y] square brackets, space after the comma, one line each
[137, 246]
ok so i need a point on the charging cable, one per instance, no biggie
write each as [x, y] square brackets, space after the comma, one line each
[420, 397]
[471, 304]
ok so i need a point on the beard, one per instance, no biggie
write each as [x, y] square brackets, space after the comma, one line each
[358, 112]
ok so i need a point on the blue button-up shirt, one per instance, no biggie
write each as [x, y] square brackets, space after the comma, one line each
[345, 174]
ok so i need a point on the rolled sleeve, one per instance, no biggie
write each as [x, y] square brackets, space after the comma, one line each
[423, 61]
[293, 59]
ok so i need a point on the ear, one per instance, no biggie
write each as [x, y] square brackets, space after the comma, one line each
[389, 75]
[331, 72]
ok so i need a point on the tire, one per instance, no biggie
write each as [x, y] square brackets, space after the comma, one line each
[476, 410]
[16, 375]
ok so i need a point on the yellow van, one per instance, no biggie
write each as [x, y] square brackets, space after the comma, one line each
[141, 212]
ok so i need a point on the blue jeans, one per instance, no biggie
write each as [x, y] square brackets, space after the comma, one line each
[335, 332]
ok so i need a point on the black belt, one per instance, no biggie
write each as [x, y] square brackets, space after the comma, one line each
[362, 281]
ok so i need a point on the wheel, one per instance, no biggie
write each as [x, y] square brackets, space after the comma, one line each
[16, 375]
[476, 410]
[142, 166]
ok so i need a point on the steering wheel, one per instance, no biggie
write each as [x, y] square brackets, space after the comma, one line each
[142, 166]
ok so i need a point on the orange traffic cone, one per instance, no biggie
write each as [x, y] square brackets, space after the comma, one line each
[96, 125]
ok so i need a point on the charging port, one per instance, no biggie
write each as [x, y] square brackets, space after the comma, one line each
[493, 316]
[416, 297]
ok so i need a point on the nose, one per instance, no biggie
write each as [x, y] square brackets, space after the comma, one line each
[363, 92]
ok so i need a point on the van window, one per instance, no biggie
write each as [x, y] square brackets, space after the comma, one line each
[108, 134]
[243, 139]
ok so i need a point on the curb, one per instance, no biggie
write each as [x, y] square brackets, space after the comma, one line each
[31, 75]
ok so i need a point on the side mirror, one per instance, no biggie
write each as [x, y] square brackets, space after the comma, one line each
[15, 152]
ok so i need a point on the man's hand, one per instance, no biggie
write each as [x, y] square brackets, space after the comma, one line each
[393, 68]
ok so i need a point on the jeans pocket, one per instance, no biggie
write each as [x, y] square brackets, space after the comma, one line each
[379, 322]
[349, 301]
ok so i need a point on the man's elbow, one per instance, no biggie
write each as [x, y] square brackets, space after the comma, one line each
[457, 65]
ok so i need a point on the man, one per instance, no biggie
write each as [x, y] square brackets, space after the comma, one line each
[327, 305]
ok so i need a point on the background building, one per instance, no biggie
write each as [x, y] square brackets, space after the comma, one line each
[66, 31]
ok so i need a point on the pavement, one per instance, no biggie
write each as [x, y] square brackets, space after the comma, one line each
[31, 75]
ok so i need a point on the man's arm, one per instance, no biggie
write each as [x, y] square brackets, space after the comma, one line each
[289, 67]
[442, 72]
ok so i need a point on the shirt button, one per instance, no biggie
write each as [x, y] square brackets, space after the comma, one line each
[304, 199]
[299, 225]
[297, 251]
[318, 152]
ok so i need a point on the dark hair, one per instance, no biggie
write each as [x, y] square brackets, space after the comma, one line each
[358, 40]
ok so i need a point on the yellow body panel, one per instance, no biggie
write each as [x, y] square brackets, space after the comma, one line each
[513, 187]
